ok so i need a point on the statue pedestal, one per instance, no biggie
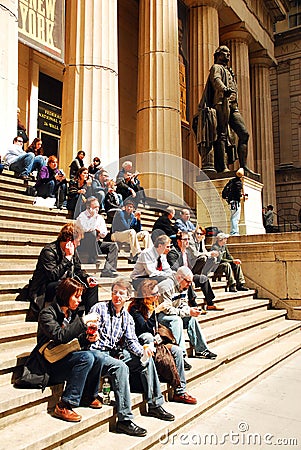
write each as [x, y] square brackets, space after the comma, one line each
[213, 210]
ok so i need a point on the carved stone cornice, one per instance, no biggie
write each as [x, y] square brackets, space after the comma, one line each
[237, 31]
[196, 3]
[283, 67]
[277, 9]
[262, 58]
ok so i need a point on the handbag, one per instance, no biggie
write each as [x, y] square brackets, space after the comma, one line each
[165, 334]
[34, 375]
[53, 353]
[165, 365]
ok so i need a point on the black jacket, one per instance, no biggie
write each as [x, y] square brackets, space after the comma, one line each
[50, 327]
[165, 224]
[53, 266]
[142, 325]
[235, 189]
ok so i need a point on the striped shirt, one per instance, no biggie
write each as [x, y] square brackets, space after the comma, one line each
[112, 328]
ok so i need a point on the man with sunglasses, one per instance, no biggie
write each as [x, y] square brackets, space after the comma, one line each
[152, 262]
[21, 162]
[204, 261]
[175, 313]
[122, 354]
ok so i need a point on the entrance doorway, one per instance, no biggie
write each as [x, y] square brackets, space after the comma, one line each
[49, 115]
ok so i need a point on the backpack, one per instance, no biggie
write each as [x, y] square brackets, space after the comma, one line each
[226, 192]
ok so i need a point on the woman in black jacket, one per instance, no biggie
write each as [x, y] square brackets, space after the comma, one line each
[81, 369]
[80, 188]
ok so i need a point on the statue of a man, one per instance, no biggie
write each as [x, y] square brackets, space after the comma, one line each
[221, 98]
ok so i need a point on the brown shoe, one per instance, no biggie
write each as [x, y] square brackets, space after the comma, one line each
[214, 308]
[96, 404]
[184, 398]
[66, 414]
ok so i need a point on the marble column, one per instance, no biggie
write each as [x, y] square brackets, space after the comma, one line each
[90, 91]
[262, 124]
[8, 72]
[158, 137]
[203, 41]
[238, 41]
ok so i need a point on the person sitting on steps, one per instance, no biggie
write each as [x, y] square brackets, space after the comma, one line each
[228, 265]
[126, 227]
[91, 246]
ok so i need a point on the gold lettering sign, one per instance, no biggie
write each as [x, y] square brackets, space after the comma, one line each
[41, 26]
[49, 118]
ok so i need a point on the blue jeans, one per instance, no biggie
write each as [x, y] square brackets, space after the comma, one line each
[38, 163]
[177, 353]
[26, 163]
[176, 324]
[23, 164]
[196, 337]
[118, 371]
[235, 216]
[81, 370]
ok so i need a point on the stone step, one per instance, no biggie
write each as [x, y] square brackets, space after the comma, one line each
[212, 332]
[46, 229]
[224, 381]
[215, 390]
[30, 214]
[18, 194]
[216, 330]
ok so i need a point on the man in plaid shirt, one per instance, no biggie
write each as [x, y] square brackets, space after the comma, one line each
[122, 352]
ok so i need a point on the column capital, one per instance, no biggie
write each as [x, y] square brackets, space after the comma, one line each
[236, 32]
[196, 3]
[262, 58]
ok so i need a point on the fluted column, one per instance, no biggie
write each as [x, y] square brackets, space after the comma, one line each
[203, 41]
[262, 125]
[8, 72]
[158, 145]
[238, 42]
[90, 93]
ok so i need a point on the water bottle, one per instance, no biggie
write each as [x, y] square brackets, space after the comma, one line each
[106, 392]
[144, 358]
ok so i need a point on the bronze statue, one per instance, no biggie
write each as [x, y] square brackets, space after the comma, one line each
[218, 117]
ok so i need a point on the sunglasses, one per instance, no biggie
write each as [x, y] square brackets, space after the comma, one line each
[20, 140]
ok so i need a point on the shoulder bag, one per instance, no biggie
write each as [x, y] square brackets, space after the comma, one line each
[53, 353]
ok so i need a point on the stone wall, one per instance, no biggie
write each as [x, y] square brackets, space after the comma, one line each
[271, 263]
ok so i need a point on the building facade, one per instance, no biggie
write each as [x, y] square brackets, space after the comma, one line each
[123, 79]
[286, 108]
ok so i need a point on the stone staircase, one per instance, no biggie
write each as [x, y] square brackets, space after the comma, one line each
[248, 337]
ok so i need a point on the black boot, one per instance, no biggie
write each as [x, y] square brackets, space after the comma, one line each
[242, 155]
[220, 156]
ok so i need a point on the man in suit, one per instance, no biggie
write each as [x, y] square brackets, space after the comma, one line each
[181, 255]
[204, 261]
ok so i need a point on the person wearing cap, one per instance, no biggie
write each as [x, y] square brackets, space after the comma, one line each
[228, 265]
[126, 227]
[235, 196]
